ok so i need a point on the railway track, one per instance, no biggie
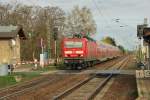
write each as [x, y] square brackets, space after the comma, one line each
[102, 66]
[32, 85]
[90, 87]
[15, 91]
[83, 89]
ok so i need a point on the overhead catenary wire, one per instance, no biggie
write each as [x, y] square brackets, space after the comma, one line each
[102, 16]
[100, 13]
[107, 22]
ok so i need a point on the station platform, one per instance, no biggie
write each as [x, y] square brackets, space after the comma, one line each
[143, 84]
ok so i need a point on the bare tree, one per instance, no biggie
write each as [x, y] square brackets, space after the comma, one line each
[80, 20]
[39, 22]
[5, 11]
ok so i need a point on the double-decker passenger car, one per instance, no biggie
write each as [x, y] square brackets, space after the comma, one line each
[84, 52]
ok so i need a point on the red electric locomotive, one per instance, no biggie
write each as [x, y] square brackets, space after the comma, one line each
[84, 52]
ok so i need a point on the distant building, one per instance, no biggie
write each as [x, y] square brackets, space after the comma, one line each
[10, 37]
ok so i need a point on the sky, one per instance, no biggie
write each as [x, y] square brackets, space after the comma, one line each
[105, 12]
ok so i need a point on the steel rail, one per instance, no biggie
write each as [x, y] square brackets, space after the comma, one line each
[98, 88]
[46, 83]
[104, 82]
[27, 83]
[26, 89]
[30, 82]
[70, 90]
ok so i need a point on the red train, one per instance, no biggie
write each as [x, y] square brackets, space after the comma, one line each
[85, 52]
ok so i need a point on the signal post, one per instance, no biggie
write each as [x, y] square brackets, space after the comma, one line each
[146, 37]
[143, 32]
[55, 35]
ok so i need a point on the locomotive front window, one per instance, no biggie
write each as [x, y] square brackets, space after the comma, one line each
[72, 44]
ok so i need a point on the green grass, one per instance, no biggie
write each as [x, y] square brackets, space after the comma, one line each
[9, 80]
[26, 75]
[46, 68]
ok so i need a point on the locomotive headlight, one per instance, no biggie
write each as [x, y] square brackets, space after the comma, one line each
[66, 55]
[81, 55]
[79, 52]
[68, 52]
